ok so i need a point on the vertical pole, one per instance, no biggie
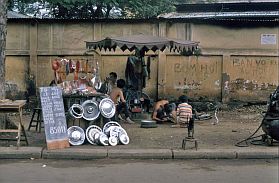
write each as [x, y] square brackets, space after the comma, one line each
[162, 64]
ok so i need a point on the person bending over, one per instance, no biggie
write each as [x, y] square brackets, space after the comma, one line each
[164, 111]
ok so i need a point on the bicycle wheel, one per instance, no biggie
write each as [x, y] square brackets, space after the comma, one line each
[136, 98]
[203, 117]
[142, 96]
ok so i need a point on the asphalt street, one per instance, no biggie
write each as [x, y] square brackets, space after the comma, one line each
[138, 171]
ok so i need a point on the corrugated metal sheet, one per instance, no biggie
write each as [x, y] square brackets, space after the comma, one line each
[210, 15]
[263, 11]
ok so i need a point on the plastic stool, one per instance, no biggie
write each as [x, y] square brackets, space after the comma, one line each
[38, 122]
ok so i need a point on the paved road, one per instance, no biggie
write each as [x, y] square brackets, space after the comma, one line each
[139, 171]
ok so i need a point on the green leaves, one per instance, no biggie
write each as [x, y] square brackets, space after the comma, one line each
[148, 8]
[91, 9]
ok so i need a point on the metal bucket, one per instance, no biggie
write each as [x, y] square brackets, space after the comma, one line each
[148, 124]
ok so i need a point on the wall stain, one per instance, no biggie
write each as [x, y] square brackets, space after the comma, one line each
[247, 85]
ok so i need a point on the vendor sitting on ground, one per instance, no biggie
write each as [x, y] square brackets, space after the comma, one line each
[184, 114]
[117, 97]
[164, 111]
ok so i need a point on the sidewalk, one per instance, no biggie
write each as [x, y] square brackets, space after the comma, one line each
[163, 142]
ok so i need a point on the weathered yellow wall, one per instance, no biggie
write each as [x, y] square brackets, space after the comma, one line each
[250, 78]
[18, 38]
[194, 76]
[17, 71]
[233, 38]
[249, 68]
[63, 38]
[234, 64]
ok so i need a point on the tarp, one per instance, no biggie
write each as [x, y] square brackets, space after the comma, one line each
[142, 43]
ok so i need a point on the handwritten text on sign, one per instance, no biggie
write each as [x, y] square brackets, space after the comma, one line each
[53, 113]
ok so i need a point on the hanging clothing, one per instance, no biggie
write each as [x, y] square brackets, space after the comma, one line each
[135, 73]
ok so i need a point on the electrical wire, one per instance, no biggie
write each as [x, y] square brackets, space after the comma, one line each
[238, 144]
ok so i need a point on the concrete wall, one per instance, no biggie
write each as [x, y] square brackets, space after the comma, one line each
[235, 63]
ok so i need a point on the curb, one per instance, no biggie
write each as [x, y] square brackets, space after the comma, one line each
[104, 153]
[21, 153]
[140, 154]
[259, 154]
[75, 153]
[204, 154]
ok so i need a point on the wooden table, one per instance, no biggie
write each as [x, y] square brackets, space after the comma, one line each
[14, 106]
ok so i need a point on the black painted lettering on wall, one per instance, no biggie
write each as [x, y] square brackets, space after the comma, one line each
[257, 66]
[204, 69]
[249, 62]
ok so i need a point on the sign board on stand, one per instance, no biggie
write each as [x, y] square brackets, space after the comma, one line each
[54, 118]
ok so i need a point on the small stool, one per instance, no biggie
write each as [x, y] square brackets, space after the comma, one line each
[187, 139]
[38, 122]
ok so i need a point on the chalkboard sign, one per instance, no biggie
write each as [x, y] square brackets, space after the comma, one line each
[54, 117]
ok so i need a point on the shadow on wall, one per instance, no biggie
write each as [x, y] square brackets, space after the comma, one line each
[13, 93]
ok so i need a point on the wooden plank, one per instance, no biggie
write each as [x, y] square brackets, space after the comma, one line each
[58, 144]
[16, 104]
[8, 131]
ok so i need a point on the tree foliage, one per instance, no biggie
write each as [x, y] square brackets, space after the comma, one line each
[93, 8]
[147, 8]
